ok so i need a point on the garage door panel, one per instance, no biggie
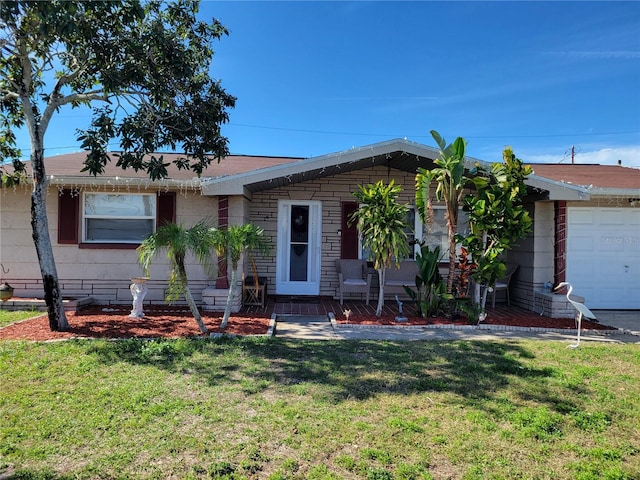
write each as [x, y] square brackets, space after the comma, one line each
[611, 243]
[583, 267]
[610, 216]
[603, 257]
[581, 244]
[584, 216]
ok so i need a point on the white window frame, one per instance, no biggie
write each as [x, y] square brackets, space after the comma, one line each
[86, 217]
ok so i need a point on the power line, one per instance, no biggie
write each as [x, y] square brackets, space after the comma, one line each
[330, 132]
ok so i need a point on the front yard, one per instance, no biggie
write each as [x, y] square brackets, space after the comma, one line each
[273, 409]
[7, 317]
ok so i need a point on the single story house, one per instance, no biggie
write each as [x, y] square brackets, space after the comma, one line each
[586, 224]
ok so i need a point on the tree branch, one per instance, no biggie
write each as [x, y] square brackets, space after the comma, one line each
[66, 79]
[84, 97]
[56, 102]
[7, 95]
[25, 63]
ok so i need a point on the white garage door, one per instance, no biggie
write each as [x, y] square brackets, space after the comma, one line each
[603, 256]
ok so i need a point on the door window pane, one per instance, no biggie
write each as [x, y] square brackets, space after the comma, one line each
[299, 252]
[298, 262]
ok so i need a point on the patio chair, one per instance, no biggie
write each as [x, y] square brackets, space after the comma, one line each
[352, 277]
[503, 284]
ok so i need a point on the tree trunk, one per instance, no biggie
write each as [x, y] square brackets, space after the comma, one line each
[42, 240]
[476, 293]
[381, 275]
[194, 309]
[452, 266]
[227, 308]
[452, 224]
[483, 303]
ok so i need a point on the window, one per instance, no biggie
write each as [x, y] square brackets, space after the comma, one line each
[414, 233]
[437, 232]
[118, 218]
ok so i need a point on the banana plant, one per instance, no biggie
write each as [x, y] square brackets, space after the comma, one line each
[449, 180]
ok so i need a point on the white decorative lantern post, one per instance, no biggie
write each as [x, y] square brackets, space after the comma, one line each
[138, 291]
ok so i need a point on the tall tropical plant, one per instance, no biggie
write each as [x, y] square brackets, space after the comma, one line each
[430, 287]
[382, 223]
[178, 241]
[234, 241]
[497, 218]
[449, 180]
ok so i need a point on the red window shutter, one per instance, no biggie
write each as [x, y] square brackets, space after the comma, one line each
[166, 211]
[349, 235]
[68, 217]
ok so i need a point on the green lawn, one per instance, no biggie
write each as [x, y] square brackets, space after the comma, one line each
[8, 317]
[275, 409]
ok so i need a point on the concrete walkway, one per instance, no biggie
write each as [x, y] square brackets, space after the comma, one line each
[626, 320]
[320, 327]
[310, 327]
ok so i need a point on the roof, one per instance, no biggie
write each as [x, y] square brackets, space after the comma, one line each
[66, 169]
[400, 154]
[585, 180]
[244, 175]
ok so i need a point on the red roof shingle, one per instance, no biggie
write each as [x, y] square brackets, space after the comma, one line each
[70, 165]
[596, 176]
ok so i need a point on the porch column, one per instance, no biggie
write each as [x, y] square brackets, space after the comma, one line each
[560, 244]
[223, 222]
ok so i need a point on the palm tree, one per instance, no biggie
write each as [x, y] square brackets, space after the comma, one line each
[234, 241]
[382, 222]
[450, 180]
[178, 242]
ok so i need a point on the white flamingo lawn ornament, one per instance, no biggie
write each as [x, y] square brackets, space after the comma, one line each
[582, 310]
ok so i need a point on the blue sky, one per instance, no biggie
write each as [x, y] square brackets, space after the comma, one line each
[319, 77]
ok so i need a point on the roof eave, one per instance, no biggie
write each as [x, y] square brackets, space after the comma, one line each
[101, 181]
[557, 190]
[567, 191]
[237, 184]
[615, 192]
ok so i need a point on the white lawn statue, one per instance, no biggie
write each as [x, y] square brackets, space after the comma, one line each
[582, 310]
[138, 291]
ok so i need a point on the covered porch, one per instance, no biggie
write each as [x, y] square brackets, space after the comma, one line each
[292, 305]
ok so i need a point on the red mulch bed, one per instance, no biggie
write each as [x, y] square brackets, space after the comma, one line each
[528, 319]
[98, 321]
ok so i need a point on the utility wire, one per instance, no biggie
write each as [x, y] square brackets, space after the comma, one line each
[330, 132]
[362, 134]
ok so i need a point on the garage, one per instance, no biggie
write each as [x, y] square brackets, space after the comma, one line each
[603, 256]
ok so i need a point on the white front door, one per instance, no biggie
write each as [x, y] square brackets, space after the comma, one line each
[299, 247]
